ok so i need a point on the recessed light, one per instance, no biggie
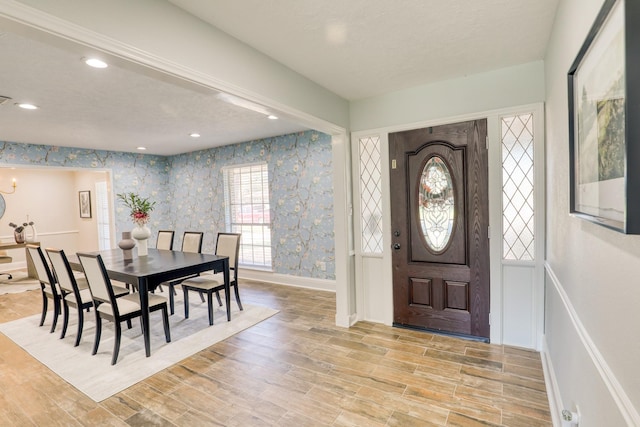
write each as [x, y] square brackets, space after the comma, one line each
[142, 148]
[272, 117]
[194, 135]
[27, 106]
[95, 63]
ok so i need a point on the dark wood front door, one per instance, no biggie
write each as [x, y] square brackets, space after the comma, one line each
[440, 220]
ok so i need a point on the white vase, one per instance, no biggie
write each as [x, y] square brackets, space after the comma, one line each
[33, 236]
[141, 234]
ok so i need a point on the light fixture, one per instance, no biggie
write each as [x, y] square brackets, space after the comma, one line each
[142, 148]
[14, 185]
[272, 117]
[194, 135]
[27, 106]
[95, 63]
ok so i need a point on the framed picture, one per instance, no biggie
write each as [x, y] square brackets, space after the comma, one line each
[603, 105]
[84, 198]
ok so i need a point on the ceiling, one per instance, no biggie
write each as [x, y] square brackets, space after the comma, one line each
[355, 48]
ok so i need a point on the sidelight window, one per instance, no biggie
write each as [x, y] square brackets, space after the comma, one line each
[517, 187]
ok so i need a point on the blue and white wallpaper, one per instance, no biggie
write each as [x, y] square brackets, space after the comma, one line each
[189, 191]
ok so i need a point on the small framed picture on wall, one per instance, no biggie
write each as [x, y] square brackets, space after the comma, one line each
[85, 203]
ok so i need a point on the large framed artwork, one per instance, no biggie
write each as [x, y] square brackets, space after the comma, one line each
[603, 104]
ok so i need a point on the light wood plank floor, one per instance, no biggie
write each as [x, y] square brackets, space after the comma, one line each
[294, 369]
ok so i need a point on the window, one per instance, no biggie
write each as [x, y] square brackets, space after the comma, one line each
[247, 211]
[371, 195]
[102, 216]
[517, 187]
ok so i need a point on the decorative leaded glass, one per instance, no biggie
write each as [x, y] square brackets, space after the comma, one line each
[371, 194]
[517, 187]
[437, 204]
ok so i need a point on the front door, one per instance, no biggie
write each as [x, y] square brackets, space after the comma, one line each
[440, 220]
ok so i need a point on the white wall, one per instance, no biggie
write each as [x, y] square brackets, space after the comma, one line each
[593, 296]
[505, 87]
[49, 197]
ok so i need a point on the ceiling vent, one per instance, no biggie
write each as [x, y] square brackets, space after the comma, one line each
[4, 99]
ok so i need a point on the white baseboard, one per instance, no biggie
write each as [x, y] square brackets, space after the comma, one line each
[618, 395]
[288, 280]
[553, 389]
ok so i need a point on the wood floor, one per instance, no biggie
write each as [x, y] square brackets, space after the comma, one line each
[295, 369]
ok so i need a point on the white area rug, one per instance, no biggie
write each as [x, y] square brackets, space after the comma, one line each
[95, 376]
[19, 283]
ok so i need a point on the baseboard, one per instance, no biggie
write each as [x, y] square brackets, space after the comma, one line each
[618, 395]
[288, 280]
[553, 389]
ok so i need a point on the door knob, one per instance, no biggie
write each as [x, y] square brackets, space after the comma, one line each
[396, 246]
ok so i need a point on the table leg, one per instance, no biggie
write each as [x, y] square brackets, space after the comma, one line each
[144, 306]
[227, 288]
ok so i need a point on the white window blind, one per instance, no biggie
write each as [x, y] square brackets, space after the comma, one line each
[102, 216]
[247, 211]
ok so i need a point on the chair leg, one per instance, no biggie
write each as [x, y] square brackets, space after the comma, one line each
[186, 302]
[210, 307]
[116, 344]
[65, 319]
[235, 288]
[201, 296]
[172, 292]
[56, 313]
[45, 307]
[129, 326]
[165, 321]
[219, 300]
[80, 326]
[98, 332]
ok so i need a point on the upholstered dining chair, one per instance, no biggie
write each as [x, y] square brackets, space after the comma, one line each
[165, 239]
[5, 259]
[115, 309]
[47, 285]
[73, 295]
[191, 242]
[227, 244]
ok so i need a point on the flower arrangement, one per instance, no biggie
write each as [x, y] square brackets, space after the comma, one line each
[20, 228]
[140, 207]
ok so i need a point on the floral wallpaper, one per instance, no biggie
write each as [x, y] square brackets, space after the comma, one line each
[301, 197]
[189, 191]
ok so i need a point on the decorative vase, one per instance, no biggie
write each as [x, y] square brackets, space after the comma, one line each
[141, 234]
[33, 236]
[126, 244]
[19, 236]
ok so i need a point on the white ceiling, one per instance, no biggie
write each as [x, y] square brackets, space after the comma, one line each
[355, 48]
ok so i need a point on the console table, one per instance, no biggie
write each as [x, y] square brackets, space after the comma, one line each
[31, 271]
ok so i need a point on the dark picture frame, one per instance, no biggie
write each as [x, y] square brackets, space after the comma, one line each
[604, 125]
[84, 201]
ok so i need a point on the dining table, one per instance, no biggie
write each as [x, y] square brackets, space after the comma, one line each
[158, 266]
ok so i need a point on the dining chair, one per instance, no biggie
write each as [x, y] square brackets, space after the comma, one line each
[47, 285]
[227, 244]
[115, 309]
[191, 242]
[73, 294]
[165, 239]
[5, 259]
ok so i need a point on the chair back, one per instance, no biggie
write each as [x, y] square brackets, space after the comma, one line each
[192, 241]
[165, 239]
[228, 244]
[63, 272]
[97, 278]
[45, 277]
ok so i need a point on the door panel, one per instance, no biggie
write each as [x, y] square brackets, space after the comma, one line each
[439, 216]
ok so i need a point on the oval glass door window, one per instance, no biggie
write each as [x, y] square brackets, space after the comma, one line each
[437, 204]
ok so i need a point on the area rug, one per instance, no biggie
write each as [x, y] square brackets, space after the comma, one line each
[19, 283]
[95, 376]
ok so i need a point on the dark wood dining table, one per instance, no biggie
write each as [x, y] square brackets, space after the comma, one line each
[147, 272]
